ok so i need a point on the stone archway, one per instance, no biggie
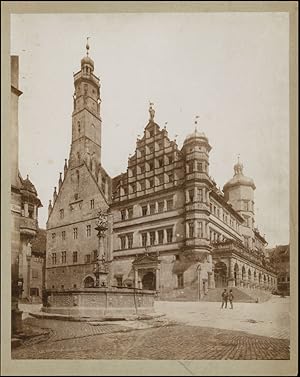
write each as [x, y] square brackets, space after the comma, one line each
[249, 277]
[236, 275]
[220, 275]
[243, 273]
[88, 282]
[149, 281]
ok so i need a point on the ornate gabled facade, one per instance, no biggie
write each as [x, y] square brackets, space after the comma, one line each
[168, 205]
[169, 228]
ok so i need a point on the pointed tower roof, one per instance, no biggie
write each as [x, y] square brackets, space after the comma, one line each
[239, 179]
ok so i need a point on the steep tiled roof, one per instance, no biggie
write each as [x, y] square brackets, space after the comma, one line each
[39, 243]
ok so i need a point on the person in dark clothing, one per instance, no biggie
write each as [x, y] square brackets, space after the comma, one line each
[224, 298]
[230, 298]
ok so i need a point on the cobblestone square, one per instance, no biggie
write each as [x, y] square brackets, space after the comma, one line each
[187, 331]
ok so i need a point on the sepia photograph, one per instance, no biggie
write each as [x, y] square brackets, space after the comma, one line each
[150, 186]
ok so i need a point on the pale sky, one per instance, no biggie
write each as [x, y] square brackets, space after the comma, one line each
[231, 69]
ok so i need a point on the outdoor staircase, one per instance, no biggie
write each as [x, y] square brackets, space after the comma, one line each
[239, 294]
[182, 294]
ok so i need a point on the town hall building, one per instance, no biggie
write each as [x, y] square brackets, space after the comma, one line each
[170, 228]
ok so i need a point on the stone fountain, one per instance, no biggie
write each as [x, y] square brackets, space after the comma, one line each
[102, 301]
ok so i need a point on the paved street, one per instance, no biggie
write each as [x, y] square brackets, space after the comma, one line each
[270, 318]
[190, 331]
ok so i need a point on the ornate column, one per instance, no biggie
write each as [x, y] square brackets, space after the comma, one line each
[187, 197]
[203, 195]
[187, 230]
[101, 266]
[136, 278]
[195, 195]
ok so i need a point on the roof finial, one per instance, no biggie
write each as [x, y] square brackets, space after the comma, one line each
[196, 122]
[87, 46]
[151, 110]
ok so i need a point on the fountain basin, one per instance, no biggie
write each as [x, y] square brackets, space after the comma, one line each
[99, 302]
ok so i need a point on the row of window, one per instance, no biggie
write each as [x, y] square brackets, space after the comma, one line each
[151, 165]
[215, 210]
[148, 238]
[147, 183]
[75, 233]
[196, 166]
[62, 211]
[149, 209]
[88, 258]
[141, 152]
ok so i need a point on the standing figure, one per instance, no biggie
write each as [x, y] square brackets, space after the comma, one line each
[224, 298]
[230, 298]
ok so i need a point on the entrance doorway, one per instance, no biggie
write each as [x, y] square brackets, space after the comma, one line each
[220, 275]
[88, 282]
[148, 281]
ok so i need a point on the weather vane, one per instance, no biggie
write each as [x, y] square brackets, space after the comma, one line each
[196, 122]
[87, 46]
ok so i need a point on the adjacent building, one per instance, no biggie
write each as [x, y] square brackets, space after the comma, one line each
[170, 227]
[279, 256]
[24, 201]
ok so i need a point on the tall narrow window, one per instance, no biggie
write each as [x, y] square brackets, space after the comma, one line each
[199, 166]
[200, 230]
[130, 241]
[63, 235]
[152, 238]
[61, 213]
[75, 233]
[191, 195]
[88, 230]
[160, 162]
[152, 208]
[200, 193]
[169, 204]
[78, 127]
[160, 206]
[92, 202]
[53, 235]
[53, 258]
[123, 214]
[88, 258]
[160, 236]
[144, 239]
[130, 213]
[180, 282]
[191, 230]
[144, 210]
[63, 257]
[169, 235]
[151, 182]
[123, 242]
[75, 256]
